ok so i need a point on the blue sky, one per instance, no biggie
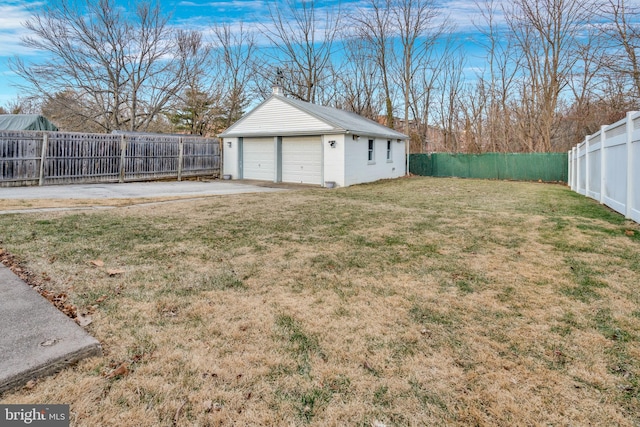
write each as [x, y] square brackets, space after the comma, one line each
[191, 14]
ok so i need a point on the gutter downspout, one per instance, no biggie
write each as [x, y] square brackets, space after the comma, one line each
[406, 147]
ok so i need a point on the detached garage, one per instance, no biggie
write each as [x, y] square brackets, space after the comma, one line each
[287, 140]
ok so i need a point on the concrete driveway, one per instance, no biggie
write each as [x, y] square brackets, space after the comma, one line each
[137, 190]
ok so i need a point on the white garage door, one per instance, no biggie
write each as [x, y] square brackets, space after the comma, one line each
[302, 159]
[258, 159]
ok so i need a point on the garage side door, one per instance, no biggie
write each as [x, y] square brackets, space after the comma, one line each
[302, 159]
[258, 159]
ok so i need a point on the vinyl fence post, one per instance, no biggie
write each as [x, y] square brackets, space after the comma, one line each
[588, 168]
[578, 169]
[123, 152]
[43, 157]
[603, 162]
[180, 157]
[630, 184]
[570, 168]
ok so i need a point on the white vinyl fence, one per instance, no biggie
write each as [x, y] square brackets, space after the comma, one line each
[606, 166]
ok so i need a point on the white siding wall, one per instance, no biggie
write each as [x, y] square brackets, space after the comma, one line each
[277, 117]
[230, 158]
[334, 159]
[358, 169]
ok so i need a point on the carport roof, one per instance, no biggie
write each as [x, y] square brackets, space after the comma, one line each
[340, 120]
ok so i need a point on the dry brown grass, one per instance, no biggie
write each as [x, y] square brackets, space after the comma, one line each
[31, 204]
[411, 302]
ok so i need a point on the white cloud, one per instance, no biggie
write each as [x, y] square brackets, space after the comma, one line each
[223, 10]
[13, 13]
[12, 16]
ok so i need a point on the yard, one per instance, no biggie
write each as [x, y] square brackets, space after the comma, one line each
[418, 301]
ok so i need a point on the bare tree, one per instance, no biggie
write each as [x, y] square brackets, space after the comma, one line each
[22, 105]
[122, 69]
[586, 85]
[418, 34]
[425, 90]
[67, 110]
[359, 80]
[546, 31]
[374, 24]
[623, 34]
[496, 82]
[448, 109]
[303, 44]
[235, 49]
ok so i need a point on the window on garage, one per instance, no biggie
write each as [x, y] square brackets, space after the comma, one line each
[389, 158]
[371, 152]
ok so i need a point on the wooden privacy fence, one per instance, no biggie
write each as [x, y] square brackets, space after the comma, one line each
[606, 166]
[40, 158]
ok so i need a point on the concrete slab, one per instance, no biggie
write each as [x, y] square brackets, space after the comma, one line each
[135, 190]
[36, 339]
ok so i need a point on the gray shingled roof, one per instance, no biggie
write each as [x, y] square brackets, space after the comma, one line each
[345, 120]
[342, 121]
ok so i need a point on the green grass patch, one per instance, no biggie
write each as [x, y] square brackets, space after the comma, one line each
[429, 315]
[586, 282]
[299, 343]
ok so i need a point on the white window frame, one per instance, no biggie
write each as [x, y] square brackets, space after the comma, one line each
[389, 151]
[371, 151]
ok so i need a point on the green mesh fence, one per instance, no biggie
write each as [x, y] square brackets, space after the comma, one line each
[512, 166]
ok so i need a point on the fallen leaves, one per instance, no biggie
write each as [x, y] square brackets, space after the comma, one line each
[121, 371]
[60, 301]
[115, 272]
[84, 320]
[629, 233]
[110, 271]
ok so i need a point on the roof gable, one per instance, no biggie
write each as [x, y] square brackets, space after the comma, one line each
[275, 116]
[284, 116]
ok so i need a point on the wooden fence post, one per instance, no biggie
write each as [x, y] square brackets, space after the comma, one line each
[43, 157]
[180, 157]
[123, 152]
